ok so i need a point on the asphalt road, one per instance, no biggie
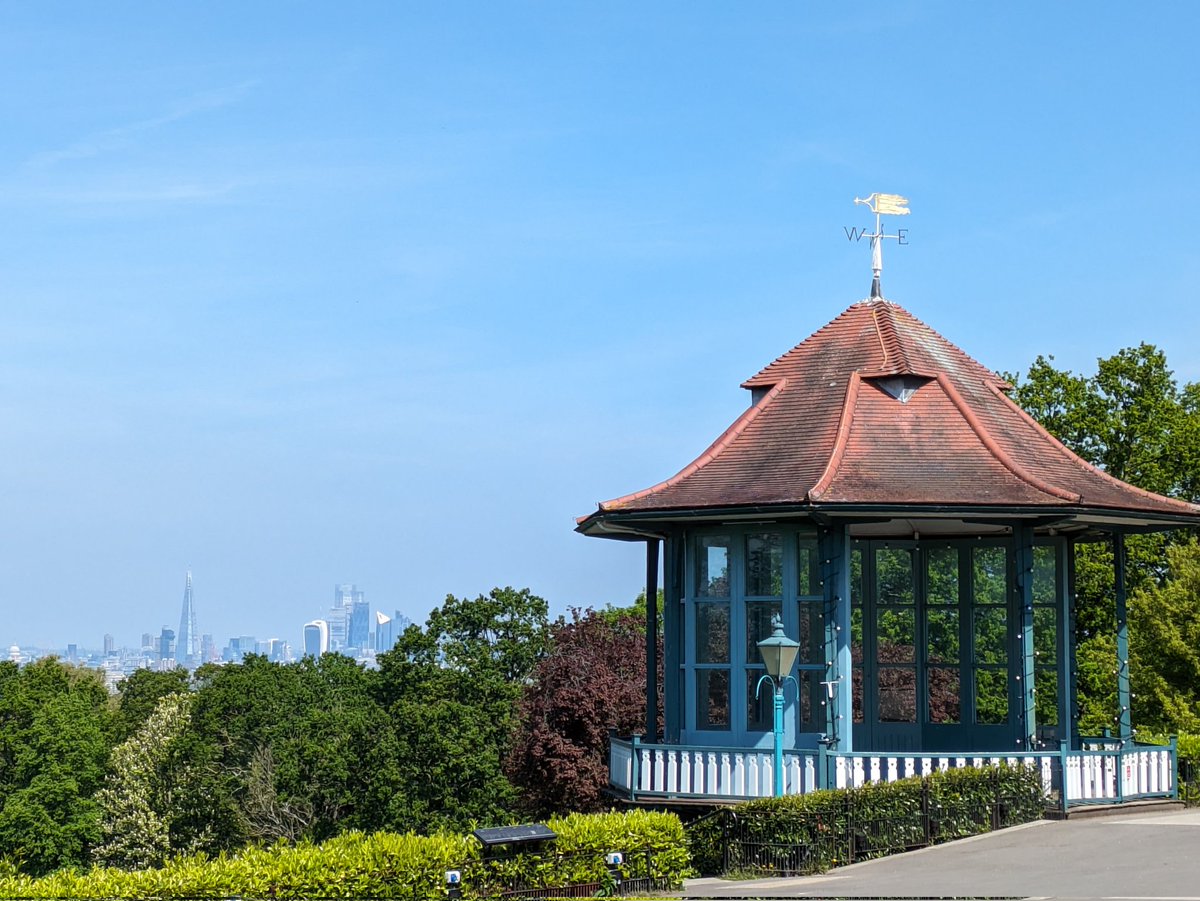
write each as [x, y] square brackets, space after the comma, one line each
[1126, 857]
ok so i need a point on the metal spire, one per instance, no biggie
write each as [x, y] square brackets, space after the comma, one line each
[883, 205]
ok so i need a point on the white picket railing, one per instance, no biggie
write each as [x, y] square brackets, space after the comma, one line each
[654, 770]
[1107, 776]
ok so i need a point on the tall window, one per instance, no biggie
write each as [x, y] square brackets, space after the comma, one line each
[989, 572]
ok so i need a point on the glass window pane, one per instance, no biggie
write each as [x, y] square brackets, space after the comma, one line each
[893, 576]
[941, 634]
[758, 627]
[712, 633]
[764, 565]
[856, 576]
[1045, 575]
[897, 694]
[760, 709]
[808, 565]
[991, 697]
[1045, 635]
[812, 634]
[991, 635]
[712, 566]
[942, 575]
[857, 700]
[1045, 698]
[895, 635]
[712, 698]
[990, 574]
[944, 695]
[812, 711]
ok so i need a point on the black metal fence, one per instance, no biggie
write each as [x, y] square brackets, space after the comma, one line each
[786, 843]
[1189, 783]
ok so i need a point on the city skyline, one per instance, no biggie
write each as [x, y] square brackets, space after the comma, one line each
[109, 643]
[395, 295]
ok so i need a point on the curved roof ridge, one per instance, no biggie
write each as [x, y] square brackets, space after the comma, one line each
[727, 437]
[840, 441]
[895, 354]
[1082, 463]
[993, 446]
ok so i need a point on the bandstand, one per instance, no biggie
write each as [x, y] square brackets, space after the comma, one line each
[915, 531]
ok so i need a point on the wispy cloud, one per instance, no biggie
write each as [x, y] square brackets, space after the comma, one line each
[121, 136]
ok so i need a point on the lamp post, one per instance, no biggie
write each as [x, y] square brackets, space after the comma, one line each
[778, 653]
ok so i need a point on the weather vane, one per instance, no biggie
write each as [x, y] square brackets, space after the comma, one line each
[880, 205]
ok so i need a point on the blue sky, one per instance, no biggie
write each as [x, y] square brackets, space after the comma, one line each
[296, 294]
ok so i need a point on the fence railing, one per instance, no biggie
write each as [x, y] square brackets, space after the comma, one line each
[1069, 777]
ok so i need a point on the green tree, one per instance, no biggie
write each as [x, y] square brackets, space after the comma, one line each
[1132, 420]
[141, 789]
[450, 692]
[54, 724]
[1165, 645]
[139, 693]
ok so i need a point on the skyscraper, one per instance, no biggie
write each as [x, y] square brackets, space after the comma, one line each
[346, 600]
[316, 638]
[385, 639]
[187, 647]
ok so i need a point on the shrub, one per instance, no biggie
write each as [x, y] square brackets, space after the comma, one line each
[812, 832]
[385, 866]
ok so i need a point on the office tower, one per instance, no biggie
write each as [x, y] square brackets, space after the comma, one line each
[110, 645]
[187, 648]
[208, 649]
[385, 638]
[345, 598]
[73, 653]
[239, 647]
[360, 623]
[166, 649]
[316, 638]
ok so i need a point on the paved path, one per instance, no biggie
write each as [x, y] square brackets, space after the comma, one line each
[1127, 856]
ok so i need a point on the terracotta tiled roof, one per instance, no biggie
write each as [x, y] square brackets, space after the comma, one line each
[878, 409]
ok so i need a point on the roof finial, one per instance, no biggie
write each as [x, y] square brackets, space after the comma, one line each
[883, 205]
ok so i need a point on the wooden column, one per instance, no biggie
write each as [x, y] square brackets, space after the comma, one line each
[1124, 717]
[835, 574]
[652, 640]
[1023, 557]
[672, 618]
[1065, 647]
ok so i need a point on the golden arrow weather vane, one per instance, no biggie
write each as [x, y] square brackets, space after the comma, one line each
[880, 205]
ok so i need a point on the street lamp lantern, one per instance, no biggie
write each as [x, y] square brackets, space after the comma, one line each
[779, 654]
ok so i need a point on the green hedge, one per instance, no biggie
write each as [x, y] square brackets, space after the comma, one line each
[387, 866]
[810, 833]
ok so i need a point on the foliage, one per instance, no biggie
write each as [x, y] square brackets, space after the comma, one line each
[381, 865]
[1164, 627]
[1135, 422]
[283, 751]
[54, 723]
[138, 792]
[815, 831]
[593, 681]
[449, 692]
[139, 693]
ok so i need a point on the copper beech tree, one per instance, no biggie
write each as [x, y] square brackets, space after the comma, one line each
[593, 680]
